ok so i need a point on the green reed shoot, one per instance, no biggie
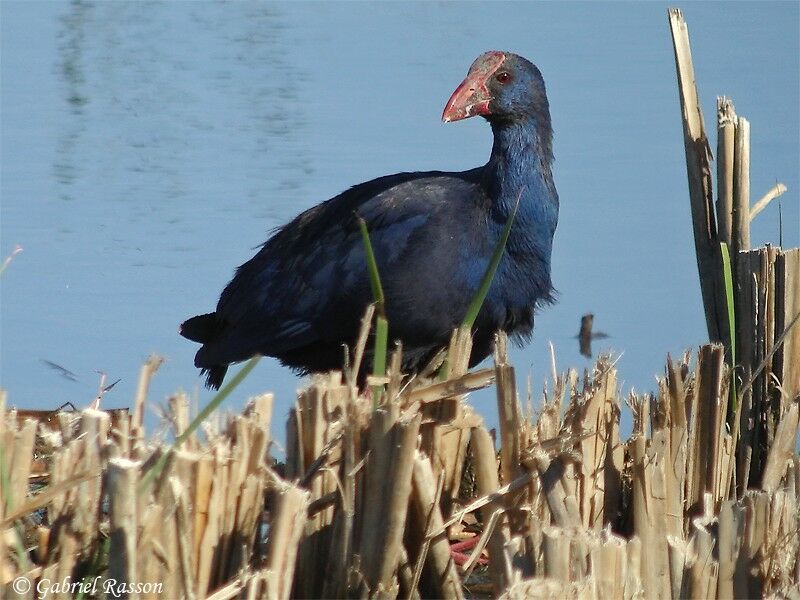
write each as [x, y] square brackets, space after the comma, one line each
[381, 322]
[727, 275]
[483, 290]
[486, 282]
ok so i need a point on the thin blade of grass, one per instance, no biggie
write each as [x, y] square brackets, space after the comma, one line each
[727, 275]
[486, 282]
[488, 276]
[372, 266]
[381, 323]
[156, 469]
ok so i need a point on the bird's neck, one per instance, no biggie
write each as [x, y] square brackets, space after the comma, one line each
[520, 163]
[520, 168]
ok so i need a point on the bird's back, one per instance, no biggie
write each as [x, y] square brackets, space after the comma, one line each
[302, 295]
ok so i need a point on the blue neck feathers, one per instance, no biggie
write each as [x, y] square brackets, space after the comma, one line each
[521, 157]
[520, 166]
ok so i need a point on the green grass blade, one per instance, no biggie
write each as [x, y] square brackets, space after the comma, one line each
[372, 266]
[444, 370]
[381, 324]
[488, 276]
[486, 282]
[727, 274]
[156, 469]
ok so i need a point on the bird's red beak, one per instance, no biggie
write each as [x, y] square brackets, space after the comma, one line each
[472, 96]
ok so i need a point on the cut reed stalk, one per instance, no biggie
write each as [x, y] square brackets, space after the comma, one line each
[766, 295]
[392, 460]
[435, 553]
[740, 238]
[286, 531]
[122, 559]
[774, 192]
[726, 134]
[698, 167]
[484, 463]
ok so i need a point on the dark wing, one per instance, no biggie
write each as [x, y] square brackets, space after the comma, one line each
[309, 285]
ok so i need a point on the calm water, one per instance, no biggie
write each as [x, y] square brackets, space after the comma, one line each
[148, 147]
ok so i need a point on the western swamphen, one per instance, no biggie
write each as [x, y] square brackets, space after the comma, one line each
[301, 297]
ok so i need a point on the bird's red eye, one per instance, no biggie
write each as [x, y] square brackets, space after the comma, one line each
[503, 77]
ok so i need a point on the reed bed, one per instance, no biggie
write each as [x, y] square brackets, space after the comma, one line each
[414, 498]
[751, 295]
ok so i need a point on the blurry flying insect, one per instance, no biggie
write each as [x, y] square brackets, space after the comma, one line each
[585, 335]
[63, 371]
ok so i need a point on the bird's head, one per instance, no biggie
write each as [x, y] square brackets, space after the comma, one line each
[500, 86]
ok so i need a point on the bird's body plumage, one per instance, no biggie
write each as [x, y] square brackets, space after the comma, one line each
[302, 295]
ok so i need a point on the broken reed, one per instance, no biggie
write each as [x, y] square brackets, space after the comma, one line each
[369, 501]
[752, 300]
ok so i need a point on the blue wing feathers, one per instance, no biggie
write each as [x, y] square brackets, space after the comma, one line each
[298, 287]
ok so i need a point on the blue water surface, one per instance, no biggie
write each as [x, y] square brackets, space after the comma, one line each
[148, 148]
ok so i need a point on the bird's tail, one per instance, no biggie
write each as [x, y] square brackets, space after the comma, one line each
[206, 329]
[202, 328]
[214, 376]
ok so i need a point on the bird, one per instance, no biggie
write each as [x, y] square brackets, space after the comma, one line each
[301, 297]
[586, 335]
